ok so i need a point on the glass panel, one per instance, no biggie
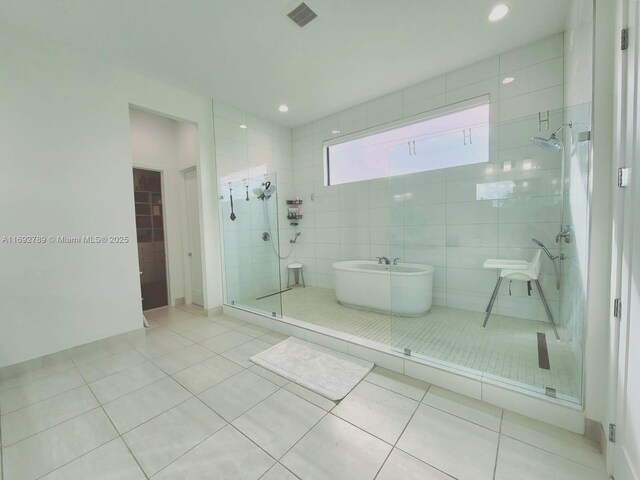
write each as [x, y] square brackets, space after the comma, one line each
[251, 262]
[511, 211]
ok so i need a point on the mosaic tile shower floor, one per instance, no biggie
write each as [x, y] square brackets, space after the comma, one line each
[507, 349]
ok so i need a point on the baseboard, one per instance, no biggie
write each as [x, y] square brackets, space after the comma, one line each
[179, 301]
[594, 431]
[27, 366]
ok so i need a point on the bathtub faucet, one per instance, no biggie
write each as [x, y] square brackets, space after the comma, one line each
[383, 259]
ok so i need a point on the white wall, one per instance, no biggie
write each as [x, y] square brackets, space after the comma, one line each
[443, 223]
[66, 163]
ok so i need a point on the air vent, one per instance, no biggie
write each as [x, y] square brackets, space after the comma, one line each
[302, 14]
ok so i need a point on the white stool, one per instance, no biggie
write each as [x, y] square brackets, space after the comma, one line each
[297, 272]
[519, 270]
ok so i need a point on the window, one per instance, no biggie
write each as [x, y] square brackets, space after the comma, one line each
[446, 139]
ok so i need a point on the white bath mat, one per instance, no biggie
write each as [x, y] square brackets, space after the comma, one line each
[329, 373]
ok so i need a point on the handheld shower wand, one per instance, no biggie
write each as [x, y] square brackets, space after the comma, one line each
[552, 257]
[546, 250]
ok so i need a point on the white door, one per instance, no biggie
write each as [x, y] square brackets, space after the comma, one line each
[194, 256]
[626, 449]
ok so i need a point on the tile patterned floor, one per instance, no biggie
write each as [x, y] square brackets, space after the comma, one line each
[507, 349]
[181, 401]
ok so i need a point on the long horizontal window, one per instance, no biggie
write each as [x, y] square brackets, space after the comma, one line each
[450, 139]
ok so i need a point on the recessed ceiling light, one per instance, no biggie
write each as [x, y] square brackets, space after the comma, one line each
[498, 12]
[283, 108]
[243, 126]
[335, 132]
[508, 80]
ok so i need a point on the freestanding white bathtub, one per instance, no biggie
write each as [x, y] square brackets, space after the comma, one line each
[405, 289]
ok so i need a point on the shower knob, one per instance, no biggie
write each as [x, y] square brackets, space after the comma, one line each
[266, 236]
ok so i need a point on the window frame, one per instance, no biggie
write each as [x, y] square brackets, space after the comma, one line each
[420, 117]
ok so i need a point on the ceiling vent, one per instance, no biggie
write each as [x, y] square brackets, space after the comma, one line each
[302, 14]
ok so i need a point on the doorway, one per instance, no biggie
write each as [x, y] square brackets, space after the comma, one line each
[149, 208]
[194, 292]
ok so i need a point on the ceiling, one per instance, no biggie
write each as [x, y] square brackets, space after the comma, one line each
[249, 54]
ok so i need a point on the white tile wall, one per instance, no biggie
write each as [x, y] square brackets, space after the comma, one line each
[263, 148]
[435, 217]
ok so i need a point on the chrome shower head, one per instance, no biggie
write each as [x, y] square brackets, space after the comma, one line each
[551, 144]
[295, 238]
[265, 191]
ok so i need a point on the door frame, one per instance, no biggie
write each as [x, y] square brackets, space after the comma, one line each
[138, 166]
[626, 152]
[186, 236]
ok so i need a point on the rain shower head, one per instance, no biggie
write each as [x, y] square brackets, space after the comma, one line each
[552, 144]
[265, 191]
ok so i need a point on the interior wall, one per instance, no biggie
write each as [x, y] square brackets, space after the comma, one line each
[442, 221]
[66, 162]
[246, 155]
[161, 143]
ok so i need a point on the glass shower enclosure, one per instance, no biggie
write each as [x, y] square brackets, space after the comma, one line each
[508, 240]
[249, 216]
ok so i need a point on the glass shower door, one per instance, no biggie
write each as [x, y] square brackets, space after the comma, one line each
[525, 204]
[249, 210]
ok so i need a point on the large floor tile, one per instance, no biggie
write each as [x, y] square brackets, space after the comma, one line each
[94, 353]
[517, 460]
[552, 439]
[475, 411]
[406, 467]
[269, 375]
[229, 322]
[225, 455]
[462, 449]
[161, 440]
[33, 375]
[188, 324]
[157, 344]
[204, 375]
[205, 332]
[30, 393]
[97, 369]
[135, 408]
[279, 421]
[336, 449]
[184, 358]
[234, 396]
[226, 341]
[42, 453]
[242, 353]
[377, 410]
[310, 396]
[253, 330]
[112, 461]
[396, 382]
[273, 337]
[278, 472]
[114, 386]
[27, 421]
